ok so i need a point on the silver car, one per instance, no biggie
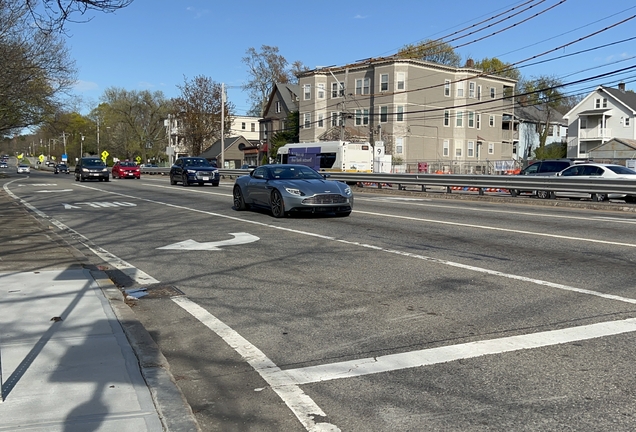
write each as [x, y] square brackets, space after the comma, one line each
[287, 188]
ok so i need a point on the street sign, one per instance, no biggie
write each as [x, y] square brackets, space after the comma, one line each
[138, 159]
[64, 157]
[104, 155]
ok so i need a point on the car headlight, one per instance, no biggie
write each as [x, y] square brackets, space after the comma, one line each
[294, 191]
[84, 169]
[105, 169]
[347, 191]
[191, 171]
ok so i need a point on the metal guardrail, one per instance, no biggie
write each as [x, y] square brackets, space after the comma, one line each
[510, 182]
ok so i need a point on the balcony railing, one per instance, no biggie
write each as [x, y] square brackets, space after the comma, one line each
[595, 133]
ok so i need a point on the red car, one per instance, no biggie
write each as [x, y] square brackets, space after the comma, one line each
[126, 169]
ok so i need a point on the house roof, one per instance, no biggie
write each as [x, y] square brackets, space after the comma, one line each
[628, 98]
[214, 150]
[288, 95]
[536, 114]
[617, 143]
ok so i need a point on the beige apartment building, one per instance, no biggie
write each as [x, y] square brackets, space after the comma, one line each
[427, 116]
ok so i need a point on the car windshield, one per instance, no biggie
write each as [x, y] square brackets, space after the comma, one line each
[295, 172]
[94, 162]
[128, 164]
[196, 162]
[621, 169]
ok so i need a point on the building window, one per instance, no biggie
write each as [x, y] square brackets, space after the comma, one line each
[336, 119]
[583, 122]
[626, 121]
[362, 117]
[447, 88]
[459, 119]
[470, 151]
[307, 91]
[243, 126]
[363, 86]
[471, 119]
[604, 102]
[478, 92]
[253, 127]
[491, 121]
[471, 89]
[399, 146]
[460, 89]
[491, 148]
[384, 82]
[277, 106]
[307, 121]
[447, 115]
[493, 92]
[337, 89]
[459, 148]
[478, 121]
[400, 82]
[384, 114]
[321, 121]
[321, 90]
[445, 148]
[400, 113]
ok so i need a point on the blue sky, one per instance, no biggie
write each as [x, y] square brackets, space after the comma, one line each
[153, 44]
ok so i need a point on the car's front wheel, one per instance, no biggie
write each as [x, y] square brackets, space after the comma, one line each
[599, 197]
[172, 181]
[277, 204]
[239, 201]
[184, 180]
[545, 194]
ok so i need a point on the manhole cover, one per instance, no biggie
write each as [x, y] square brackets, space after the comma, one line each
[159, 291]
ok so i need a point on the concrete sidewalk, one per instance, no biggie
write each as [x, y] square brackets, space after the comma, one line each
[72, 355]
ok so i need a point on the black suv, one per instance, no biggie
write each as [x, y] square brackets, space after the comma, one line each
[91, 168]
[547, 167]
[188, 170]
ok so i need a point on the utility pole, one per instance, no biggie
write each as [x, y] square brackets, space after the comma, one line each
[222, 125]
[97, 136]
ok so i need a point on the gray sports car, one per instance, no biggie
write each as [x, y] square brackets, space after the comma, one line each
[287, 188]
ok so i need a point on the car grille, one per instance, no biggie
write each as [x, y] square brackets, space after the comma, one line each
[326, 199]
[201, 174]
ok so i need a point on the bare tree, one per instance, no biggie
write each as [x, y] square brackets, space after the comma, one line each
[36, 70]
[267, 68]
[199, 109]
[52, 15]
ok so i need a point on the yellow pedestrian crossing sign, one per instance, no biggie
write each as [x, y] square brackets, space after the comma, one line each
[104, 155]
[138, 159]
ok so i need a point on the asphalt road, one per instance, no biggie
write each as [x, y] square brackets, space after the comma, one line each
[415, 313]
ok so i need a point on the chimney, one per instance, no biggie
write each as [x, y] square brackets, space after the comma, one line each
[470, 63]
[621, 86]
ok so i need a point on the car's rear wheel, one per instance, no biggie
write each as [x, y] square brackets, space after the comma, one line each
[545, 194]
[172, 181]
[630, 199]
[239, 201]
[184, 180]
[277, 204]
[599, 197]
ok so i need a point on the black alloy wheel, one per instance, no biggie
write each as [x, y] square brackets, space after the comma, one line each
[172, 180]
[239, 201]
[277, 204]
[599, 197]
[184, 180]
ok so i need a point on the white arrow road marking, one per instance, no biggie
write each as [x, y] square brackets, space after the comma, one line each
[53, 191]
[239, 238]
[69, 206]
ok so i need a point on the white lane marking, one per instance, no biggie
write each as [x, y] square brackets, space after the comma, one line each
[431, 356]
[395, 252]
[128, 269]
[303, 407]
[239, 238]
[535, 234]
[54, 191]
[485, 210]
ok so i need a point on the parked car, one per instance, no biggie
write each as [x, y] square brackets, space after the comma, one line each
[248, 167]
[594, 171]
[3, 164]
[285, 188]
[61, 168]
[126, 169]
[24, 169]
[91, 168]
[547, 167]
[187, 170]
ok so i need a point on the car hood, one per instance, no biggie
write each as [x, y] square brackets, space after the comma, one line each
[313, 186]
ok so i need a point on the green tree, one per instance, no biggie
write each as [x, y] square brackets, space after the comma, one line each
[431, 51]
[494, 66]
[199, 109]
[291, 133]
